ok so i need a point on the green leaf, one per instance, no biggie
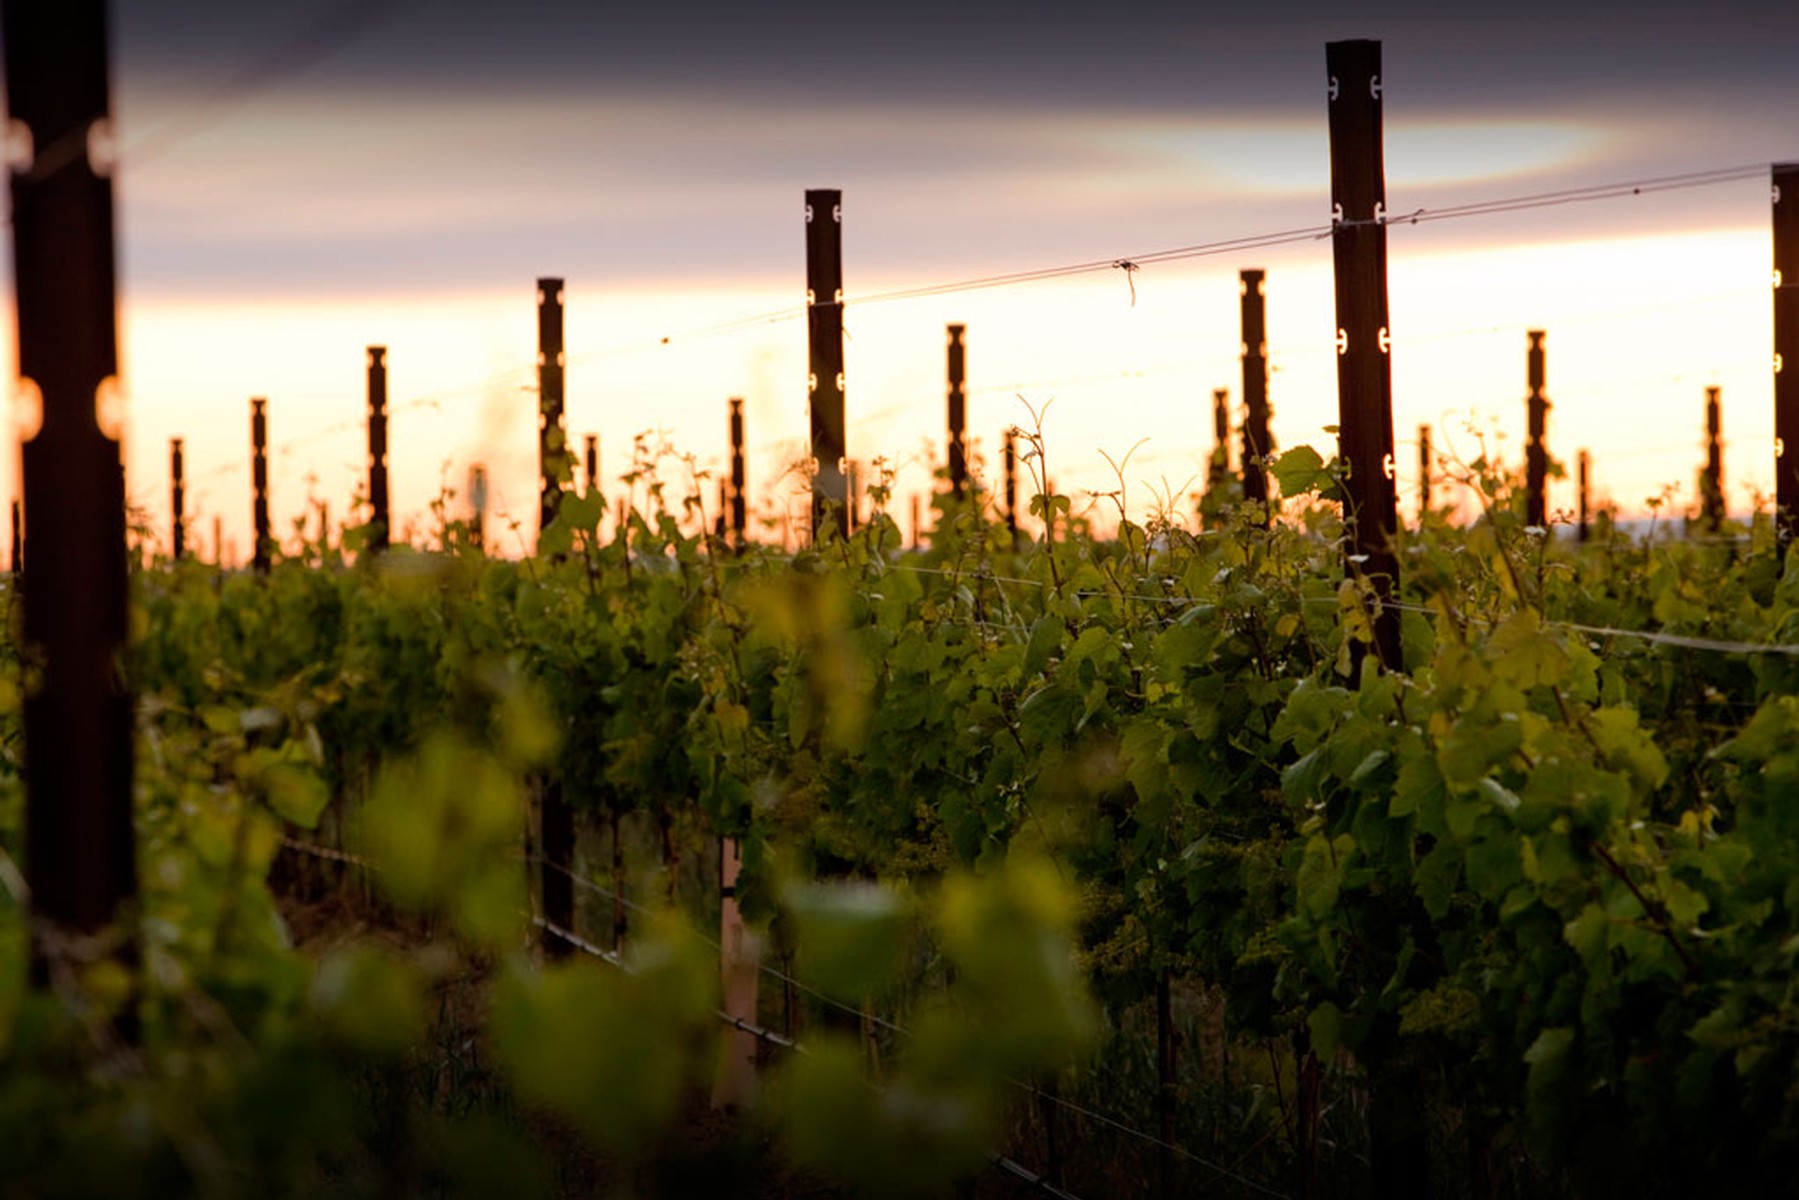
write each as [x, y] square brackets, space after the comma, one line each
[1299, 470]
[1321, 870]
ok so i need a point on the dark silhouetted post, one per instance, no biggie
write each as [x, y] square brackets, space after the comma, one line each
[80, 860]
[259, 485]
[592, 463]
[958, 415]
[477, 495]
[177, 502]
[1424, 472]
[18, 539]
[1399, 1146]
[853, 502]
[1221, 438]
[1364, 360]
[1711, 484]
[381, 525]
[824, 341]
[1786, 348]
[556, 819]
[1011, 456]
[1255, 384]
[1536, 453]
[1586, 474]
[739, 512]
[552, 439]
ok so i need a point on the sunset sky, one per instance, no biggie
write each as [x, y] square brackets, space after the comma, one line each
[300, 180]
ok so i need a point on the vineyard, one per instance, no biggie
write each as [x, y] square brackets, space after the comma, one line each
[1264, 847]
[1517, 919]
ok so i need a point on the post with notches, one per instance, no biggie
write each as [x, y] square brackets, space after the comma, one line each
[1536, 452]
[824, 342]
[380, 525]
[80, 857]
[1364, 358]
[739, 508]
[958, 415]
[263, 546]
[177, 502]
[1399, 1143]
[1424, 471]
[1256, 444]
[1585, 468]
[556, 820]
[1711, 483]
[1786, 348]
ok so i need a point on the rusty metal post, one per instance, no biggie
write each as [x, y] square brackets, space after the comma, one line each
[1536, 453]
[1786, 348]
[1711, 483]
[824, 342]
[381, 527]
[552, 440]
[958, 415]
[1424, 472]
[1364, 360]
[1256, 444]
[259, 485]
[80, 858]
[177, 502]
[1585, 468]
[739, 508]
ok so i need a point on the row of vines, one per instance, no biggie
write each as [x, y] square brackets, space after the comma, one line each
[1515, 916]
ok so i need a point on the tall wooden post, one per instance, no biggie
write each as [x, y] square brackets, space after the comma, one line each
[958, 415]
[591, 463]
[381, 526]
[739, 509]
[477, 495]
[1711, 483]
[740, 970]
[1786, 348]
[18, 539]
[824, 342]
[552, 439]
[259, 485]
[1256, 444]
[177, 502]
[1011, 458]
[1586, 474]
[1424, 472]
[80, 860]
[1364, 361]
[1536, 453]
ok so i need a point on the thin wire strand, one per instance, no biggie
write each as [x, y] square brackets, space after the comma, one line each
[1007, 1165]
[1684, 641]
[900, 1030]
